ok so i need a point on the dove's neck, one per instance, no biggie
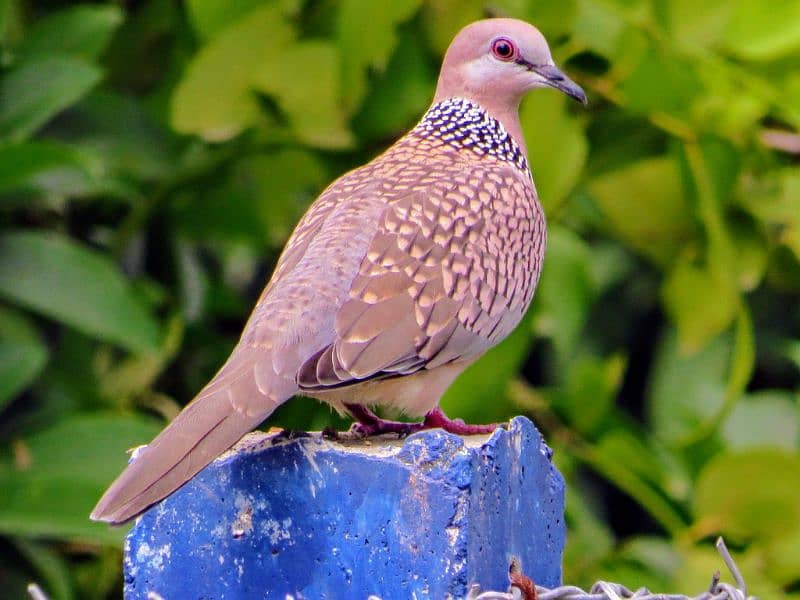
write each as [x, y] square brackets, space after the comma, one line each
[468, 126]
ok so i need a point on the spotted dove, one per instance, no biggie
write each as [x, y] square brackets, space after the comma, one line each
[402, 273]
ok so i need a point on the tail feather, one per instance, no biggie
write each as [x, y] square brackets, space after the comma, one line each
[209, 425]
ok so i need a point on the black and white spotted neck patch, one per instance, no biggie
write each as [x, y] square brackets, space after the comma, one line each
[465, 125]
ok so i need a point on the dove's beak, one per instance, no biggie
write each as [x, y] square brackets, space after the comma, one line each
[554, 77]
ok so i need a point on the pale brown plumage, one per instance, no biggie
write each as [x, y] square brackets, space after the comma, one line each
[401, 273]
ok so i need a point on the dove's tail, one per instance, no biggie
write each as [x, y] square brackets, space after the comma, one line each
[233, 403]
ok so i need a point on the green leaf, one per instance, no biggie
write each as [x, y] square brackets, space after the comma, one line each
[625, 448]
[590, 539]
[226, 212]
[644, 206]
[70, 382]
[400, 94]
[783, 560]
[70, 283]
[311, 102]
[707, 416]
[48, 168]
[751, 252]
[587, 394]
[210, 16]
[661, 82]
[9, 20]
[65, 470]
[780, 207]
[193, 281]
[137, 373]
[764, 419]
[743, 359]
[82, 31]
[259, 202]
[791, 350]
[133, 144]
[702, 304]
[260, 52]
[566, 291]
[633, 467]
[22, 355]
[763, 31]
[442, 19]
[554, 19]
[213, 99]
[282, 184]
[727, 111]
[710, 176]
[650, 561]
[38, 89]
[700, 23]
[367, 24]
[655, 552]
[50, 565]
[686, 390]
[599, 27]
[721, 165]
[558, 146]
[768, 508]
[700, 560]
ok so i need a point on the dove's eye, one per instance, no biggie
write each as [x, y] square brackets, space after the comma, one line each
[504, 49]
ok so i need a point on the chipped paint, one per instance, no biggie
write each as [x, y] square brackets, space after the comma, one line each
[243, 524]
[153, 557]
[310, 453]
[277, 531]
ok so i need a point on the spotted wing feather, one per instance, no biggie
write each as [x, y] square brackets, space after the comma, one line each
[443, 279]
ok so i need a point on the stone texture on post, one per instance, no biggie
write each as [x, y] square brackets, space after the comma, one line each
[422, 517]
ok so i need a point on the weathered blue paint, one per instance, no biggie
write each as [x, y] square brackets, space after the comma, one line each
[317, 519]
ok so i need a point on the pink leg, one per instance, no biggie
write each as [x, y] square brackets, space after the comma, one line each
[437, 418]
[368, 423]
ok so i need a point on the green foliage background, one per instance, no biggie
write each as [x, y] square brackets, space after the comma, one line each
[154, 156]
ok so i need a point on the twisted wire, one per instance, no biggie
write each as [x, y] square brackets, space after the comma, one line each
[603, 590]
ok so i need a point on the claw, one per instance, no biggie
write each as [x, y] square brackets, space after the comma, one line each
[330, 433]
[287, 435]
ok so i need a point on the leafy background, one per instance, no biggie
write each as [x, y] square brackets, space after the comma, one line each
[154, 156]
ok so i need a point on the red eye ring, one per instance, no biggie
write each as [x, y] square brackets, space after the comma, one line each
[504, 49]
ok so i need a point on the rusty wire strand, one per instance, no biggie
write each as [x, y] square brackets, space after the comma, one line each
[603, 590]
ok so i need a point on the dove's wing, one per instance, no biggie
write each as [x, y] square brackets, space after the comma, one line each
[448, 274]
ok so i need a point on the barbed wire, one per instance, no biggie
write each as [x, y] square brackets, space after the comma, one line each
[522, 588]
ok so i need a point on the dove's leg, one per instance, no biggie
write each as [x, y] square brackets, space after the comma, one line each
[437, 418]
[368, 423]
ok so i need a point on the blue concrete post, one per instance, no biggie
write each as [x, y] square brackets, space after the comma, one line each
[422, 517]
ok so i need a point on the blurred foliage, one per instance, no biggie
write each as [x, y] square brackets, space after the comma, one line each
[154, 156]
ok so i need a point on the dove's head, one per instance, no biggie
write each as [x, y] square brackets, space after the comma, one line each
[495, 62]
[501, 60]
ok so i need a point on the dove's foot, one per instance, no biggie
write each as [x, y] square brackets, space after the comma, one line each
[369, 424]
[437, 418]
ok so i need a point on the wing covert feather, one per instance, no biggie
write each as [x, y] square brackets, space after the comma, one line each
[446, 276]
